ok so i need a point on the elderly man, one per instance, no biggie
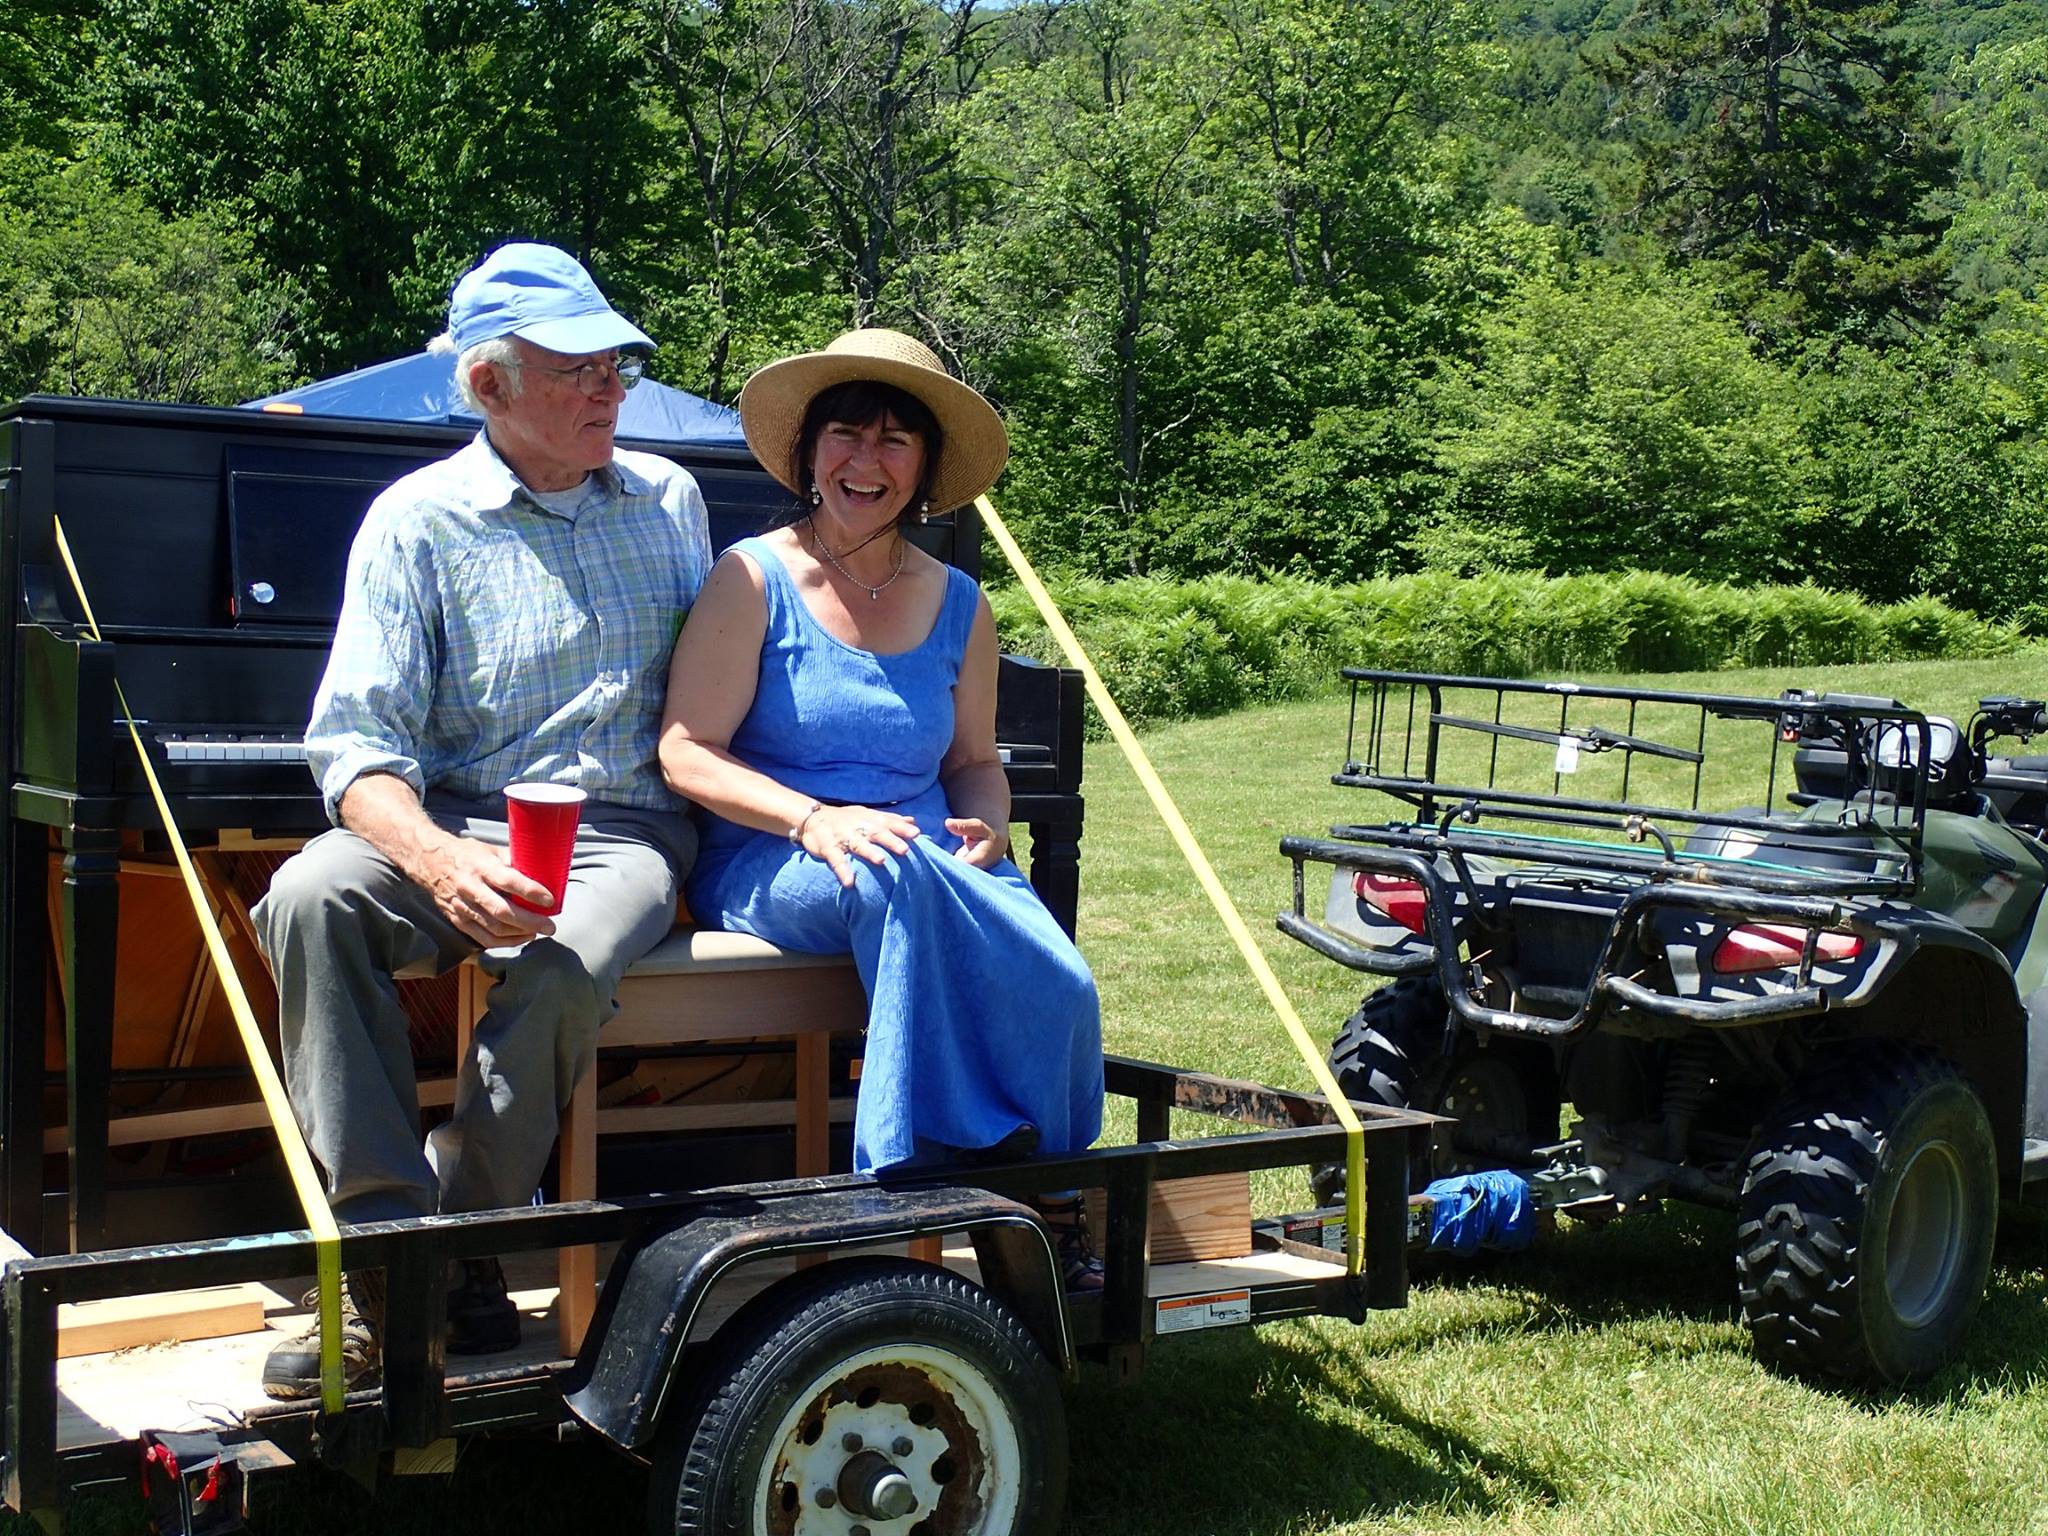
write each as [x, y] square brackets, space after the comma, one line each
[508, 616]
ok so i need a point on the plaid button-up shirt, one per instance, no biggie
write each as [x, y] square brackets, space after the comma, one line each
[485, 639]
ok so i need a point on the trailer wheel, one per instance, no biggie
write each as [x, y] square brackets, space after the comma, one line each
[868, 1393]
[1391, 1051]
[1868, 1209]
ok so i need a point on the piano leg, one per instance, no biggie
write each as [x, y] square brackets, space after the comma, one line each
[92, 912]
[24, 960]
[1056, 867]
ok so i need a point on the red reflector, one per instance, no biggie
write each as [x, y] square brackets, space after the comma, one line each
[1393, 897]
[1774, 947]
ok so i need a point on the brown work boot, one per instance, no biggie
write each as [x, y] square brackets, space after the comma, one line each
[292, 1369]
[481, 1317]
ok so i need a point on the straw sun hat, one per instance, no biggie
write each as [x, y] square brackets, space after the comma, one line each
[772, 409]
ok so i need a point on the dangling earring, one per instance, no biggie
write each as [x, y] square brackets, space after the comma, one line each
[924, 510]
[817, 496]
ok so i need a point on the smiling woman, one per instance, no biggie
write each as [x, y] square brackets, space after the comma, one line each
[832, 703]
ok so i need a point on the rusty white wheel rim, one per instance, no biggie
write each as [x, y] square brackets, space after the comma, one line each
[963, 1462]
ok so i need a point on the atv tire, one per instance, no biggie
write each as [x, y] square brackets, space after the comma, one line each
[1391, 1051]
[1868, 1208]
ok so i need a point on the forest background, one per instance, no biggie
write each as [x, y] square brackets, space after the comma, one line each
[1749, 291]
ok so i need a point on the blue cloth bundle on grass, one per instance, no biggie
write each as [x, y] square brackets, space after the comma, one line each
[1471, 1211]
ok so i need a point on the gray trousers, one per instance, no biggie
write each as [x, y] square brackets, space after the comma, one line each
[340, 925]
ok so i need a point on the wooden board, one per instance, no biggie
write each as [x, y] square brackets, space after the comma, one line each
[1192, 1219]
[122, 1322]
[211, 1119]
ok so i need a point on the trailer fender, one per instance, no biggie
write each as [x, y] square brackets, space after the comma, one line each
[623, 1379]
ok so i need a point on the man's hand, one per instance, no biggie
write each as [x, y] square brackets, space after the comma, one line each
[471, 883]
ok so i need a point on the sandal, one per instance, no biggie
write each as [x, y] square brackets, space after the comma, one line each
[1066, 1218]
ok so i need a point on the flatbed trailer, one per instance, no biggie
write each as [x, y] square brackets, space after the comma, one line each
[790, 1355]
[687, 1271]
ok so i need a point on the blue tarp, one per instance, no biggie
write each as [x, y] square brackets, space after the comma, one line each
[422, 388]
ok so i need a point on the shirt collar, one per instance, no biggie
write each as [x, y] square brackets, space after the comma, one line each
[494, 486]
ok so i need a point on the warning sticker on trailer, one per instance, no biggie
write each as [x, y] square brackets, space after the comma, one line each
[1183, 1314]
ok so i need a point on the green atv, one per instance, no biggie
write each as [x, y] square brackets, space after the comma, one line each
[1824, 1011]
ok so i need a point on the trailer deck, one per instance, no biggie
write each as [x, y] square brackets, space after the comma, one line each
[106, 1401]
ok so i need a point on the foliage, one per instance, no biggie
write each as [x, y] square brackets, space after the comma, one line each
[1343, 289]
[1998, 238]
[1933, 474]
[1611, 421]
[1790, 141]
[1173, 650]
[101, 295]
[43, 56]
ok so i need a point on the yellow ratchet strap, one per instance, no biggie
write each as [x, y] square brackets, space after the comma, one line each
[1354, 1137]
[298, 1161]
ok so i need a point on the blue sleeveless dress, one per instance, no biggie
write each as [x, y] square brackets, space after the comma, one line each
[982, 1017]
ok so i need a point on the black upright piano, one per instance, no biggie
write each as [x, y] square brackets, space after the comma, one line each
[211, 546]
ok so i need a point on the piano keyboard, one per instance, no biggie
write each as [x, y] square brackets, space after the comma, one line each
[223, 748]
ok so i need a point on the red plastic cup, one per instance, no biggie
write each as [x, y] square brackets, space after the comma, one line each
[542, 819]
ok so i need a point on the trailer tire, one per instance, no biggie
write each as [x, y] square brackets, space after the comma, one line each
[1391, 1051]
[860, 1379]
[1868, 1210]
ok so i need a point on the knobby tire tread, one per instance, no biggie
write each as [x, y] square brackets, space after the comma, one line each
[1800, 1223]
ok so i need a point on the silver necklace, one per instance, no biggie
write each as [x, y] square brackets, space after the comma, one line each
[875, 592]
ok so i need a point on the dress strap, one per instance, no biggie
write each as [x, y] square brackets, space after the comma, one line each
[775, 577]
[956, 614]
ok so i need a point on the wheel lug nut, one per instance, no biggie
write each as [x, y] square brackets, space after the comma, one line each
[850, 1441]
[824, 1498]
[902, 1445]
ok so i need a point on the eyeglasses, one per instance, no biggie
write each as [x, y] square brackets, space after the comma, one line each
[592, 378]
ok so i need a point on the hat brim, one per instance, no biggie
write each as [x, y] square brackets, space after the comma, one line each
[974, 445]
[578, 334]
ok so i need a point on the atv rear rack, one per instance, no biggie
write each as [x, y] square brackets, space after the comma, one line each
[1495, 732]
[1638, 843]
[1607, 988]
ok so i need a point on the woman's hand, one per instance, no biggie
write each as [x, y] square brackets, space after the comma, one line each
[980, 844]
[839, 833]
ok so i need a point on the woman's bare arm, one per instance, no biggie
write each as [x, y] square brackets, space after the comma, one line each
[972, 771]
[711, 683]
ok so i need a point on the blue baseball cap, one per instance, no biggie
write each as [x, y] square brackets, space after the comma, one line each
[540, 294]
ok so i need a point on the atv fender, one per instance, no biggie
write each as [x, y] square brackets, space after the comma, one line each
[623, 1380]
[1954, 991]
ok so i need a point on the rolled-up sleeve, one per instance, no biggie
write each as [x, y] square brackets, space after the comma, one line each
[368, 714]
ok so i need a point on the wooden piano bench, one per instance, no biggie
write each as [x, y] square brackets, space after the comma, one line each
[699, 985]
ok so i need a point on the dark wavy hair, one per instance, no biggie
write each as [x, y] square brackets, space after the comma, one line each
[858, 403]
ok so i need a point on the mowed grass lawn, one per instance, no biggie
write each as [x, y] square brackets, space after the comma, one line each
[1600, 1384]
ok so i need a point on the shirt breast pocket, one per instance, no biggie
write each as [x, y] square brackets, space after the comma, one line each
[514, 616]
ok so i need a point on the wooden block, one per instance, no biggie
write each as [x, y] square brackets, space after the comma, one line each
[433, 1460]
[1209, 1217]
[121, 1322]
